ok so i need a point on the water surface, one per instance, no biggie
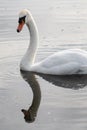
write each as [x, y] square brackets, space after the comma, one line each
[62, 24]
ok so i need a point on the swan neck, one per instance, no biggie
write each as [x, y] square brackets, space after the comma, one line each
[29, 57]
[33, 31]
[34, 38]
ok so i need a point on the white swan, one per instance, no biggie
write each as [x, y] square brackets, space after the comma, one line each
[73, 61]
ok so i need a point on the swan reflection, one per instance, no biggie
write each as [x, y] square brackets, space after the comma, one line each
[67, 81]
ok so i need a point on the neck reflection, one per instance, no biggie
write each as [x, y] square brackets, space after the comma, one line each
[30, 114]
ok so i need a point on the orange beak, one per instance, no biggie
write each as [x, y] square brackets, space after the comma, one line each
[20, 26]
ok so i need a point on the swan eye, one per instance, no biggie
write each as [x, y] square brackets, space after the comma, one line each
[22, 19]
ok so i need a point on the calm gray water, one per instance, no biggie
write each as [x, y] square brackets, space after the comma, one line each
[62, 24]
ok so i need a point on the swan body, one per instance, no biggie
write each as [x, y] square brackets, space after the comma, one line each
[67, 62]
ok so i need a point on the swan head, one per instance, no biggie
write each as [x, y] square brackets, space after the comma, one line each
[29, 116]
[24, 17]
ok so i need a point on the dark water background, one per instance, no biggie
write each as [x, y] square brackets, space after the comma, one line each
[62, 25]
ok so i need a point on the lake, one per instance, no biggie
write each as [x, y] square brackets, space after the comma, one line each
[60, 101]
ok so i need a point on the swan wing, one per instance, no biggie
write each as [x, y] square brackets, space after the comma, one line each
[65, 62]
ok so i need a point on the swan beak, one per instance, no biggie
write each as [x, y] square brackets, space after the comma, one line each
[20, 26]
